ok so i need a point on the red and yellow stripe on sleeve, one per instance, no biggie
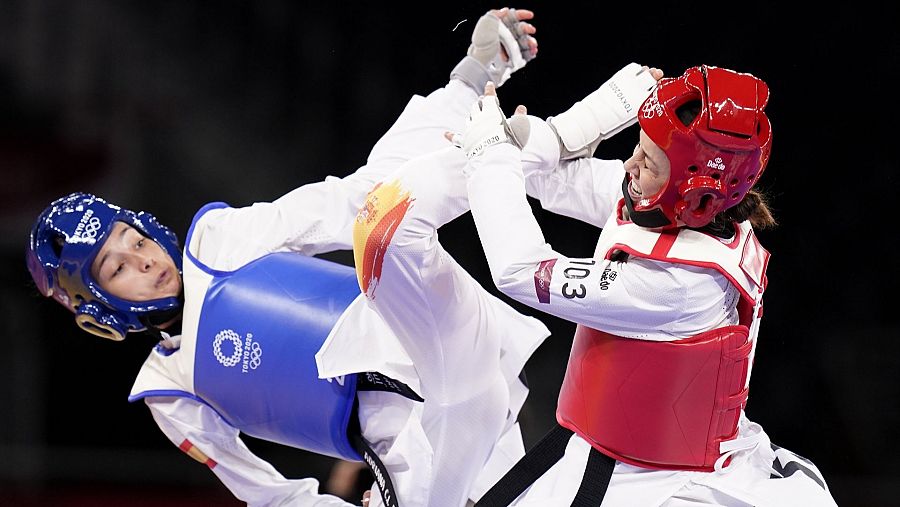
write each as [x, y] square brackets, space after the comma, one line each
[197, 454]
[376, 222]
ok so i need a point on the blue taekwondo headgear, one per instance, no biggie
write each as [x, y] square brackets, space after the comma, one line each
[65, 240]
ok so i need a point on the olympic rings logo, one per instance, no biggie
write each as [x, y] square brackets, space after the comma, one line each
[91, 228]
[88, 227]
[235, 339]
[652, 107]
[255, 355]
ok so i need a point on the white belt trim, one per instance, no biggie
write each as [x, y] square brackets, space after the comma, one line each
[730, 447]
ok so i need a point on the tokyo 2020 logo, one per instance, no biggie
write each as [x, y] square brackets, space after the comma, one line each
[248, 352]
[235, 339]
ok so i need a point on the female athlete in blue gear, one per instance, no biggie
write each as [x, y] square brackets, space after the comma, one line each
[258, 336]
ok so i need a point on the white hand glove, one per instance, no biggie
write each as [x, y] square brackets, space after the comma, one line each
[605, 112]
[486, 125]
[484, 61]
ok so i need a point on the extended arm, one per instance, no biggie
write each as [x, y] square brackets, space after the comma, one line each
[583, 188]
[318, 217]
[556, 154]
[625, 298]
[203, 435]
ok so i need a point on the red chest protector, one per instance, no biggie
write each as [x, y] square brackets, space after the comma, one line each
[667, 405]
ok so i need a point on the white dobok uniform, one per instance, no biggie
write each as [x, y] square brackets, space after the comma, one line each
[431, 451]
[638, 299]
[467, 346]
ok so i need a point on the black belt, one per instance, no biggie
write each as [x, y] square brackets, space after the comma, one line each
[374, 381]
[382, 478]
[538, 460]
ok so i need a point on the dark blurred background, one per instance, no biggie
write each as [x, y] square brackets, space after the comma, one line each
[167, 105]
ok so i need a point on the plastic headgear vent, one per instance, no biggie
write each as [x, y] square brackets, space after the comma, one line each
[65, 240]
[717, 158]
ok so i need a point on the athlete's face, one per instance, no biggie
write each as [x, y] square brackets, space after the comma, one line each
[133, 267]
[649, 169]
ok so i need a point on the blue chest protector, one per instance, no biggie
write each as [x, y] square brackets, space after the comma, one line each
[260, 328]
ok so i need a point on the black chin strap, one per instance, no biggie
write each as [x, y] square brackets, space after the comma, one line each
[153, 320]
[651, 219]
[655, 218]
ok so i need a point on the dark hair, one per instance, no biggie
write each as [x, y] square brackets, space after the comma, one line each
[753, 207]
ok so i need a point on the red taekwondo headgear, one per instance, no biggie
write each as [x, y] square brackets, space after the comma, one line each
[717, 158]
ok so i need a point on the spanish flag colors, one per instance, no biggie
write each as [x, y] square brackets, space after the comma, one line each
[376, 222]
